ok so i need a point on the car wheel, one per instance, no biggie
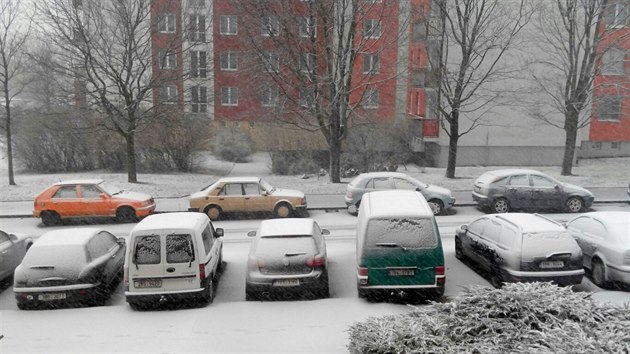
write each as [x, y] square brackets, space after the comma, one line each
[459, 252]
[126, 214]
[282, 210]
[23, 305]
[495, 278]
[208, 293]
[598, 274]
[213, 212]
[250, 295]
[436, 206]
[575, 204]
[500, 205]
[137, 306]
[50, 218]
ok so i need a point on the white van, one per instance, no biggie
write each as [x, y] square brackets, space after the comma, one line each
[171, 257]
[399, 249]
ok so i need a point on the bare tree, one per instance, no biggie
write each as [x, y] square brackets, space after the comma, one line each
[570, 33]
[320, 44]
[107, 47]
[14, 32]
[476, 34]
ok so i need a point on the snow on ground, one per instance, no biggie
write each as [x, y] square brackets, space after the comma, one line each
[605, 172]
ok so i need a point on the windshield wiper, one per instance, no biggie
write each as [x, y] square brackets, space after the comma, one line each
[390, 245]
[291, 254]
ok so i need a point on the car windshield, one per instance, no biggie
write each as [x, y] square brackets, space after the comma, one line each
[110, 188]
[268, 187]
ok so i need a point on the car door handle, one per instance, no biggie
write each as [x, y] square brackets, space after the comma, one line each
[170, 269]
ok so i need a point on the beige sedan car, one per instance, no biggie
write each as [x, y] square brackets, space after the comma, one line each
[246, 194]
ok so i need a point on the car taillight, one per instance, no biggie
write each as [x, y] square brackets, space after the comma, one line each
[261, 264]
[439, 270]
[363, 272]
[202, 271]
[304, 201]
[126, 279]
[317, 261]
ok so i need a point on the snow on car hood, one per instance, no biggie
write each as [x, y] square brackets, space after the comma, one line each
[201, 194]
[572, 188]
[132, 196]
[438, 190]
[288, 193]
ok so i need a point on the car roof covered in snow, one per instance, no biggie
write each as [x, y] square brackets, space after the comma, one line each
[80, 181]
[615, 221]
[239, 180]
[397, 203]
[66, 237]
[286, 227]
[383, 174]
[170, 221]
[530, 223]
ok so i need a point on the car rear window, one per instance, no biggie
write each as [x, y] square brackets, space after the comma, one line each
[404, 232]
[281, 245]
[179, 249]
[55, 255]
[147, 249]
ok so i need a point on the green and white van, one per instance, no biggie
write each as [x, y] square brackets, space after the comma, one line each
[399, 249]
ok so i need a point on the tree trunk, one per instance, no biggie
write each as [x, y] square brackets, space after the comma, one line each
[452, 145]
[335, 160]
[570, 128]
[7, 106]
[131, 158]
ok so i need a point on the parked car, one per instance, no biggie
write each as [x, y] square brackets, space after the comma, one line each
[605, 241]
[13, 247]
[505, 190]
[246, 194]
[69, 266]
[287, 254]
[90, 198]
[520, 247]
[172, 257]
[440, 199]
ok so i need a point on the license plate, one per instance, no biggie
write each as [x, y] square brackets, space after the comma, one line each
[153, 283]
[551, 264]
[51, 297]
[287, 282]
[401, 272]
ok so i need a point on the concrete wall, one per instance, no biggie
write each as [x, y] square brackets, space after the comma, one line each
[592, 149]
[503, 156]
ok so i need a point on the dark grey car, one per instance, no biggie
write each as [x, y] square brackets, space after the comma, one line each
[505, 190]
[13, 247]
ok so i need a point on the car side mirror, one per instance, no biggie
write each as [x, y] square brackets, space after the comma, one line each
[418, 189]
[464, 228]
[264, 193]
[13, 238]
[325, 232]
[251, 233]
[103, 196]
[218, 232]
[556, 186]
[121, 241]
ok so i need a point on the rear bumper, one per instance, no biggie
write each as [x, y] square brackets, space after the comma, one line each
[481, 199]
[564, 278]
[163, 296]
[56, 295]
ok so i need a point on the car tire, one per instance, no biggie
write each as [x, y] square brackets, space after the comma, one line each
[250, 295]
[23, 305]
[208, 292]
[282, 210]
[496, 279]
[598, 274]
[50, 218]
[575, 204]
[126, 214]
[459, 252]
[324, 291]
[213, 212]
[500, 206]
[436, 206]
[137, 306]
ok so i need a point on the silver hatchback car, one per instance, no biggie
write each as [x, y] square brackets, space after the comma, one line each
[519, 247]
[439, 199]
[288, 256]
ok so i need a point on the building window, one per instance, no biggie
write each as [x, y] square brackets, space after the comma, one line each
[229, 61]
[270, 97]
[197, 28]
[372, 29]
[308, 27]
[307, 63]
[229, 96]
[166, 23]
[370, 63]
[370, 98]
[271, 62]
[614, 145]
[167, 59]
[609, 108]
[616, 15]
[228, 25]
[199, 99]
[198, 64]
[307, 97]
[613, 61]
[597, 145]
[270, 26]
[168, 94]
[417, 79]
[419, 31]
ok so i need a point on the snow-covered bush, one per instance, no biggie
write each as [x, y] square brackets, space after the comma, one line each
[519, 318]
[232, 144]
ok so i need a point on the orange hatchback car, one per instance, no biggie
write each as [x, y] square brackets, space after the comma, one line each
[90, 198]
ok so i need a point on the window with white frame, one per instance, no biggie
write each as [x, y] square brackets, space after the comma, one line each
[370, 98]
[613, 61]
[228, 25]
[308, 27]
[197, 28]
[271, 62]
[166, 22]
[198, 63]
[609, 108]
[372, 28]
[168, 94]
[307, 97]
[270, 26]
[307, 63]
[616, 14]
[370, 63]
[199, 99]
[167, 59]
[270, 96]
[229, 61]
[229, 96]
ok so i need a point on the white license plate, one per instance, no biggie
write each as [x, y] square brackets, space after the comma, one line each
[51, 297]
[401, 272]
[287, 282]
[551, 264]
[153, 283]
